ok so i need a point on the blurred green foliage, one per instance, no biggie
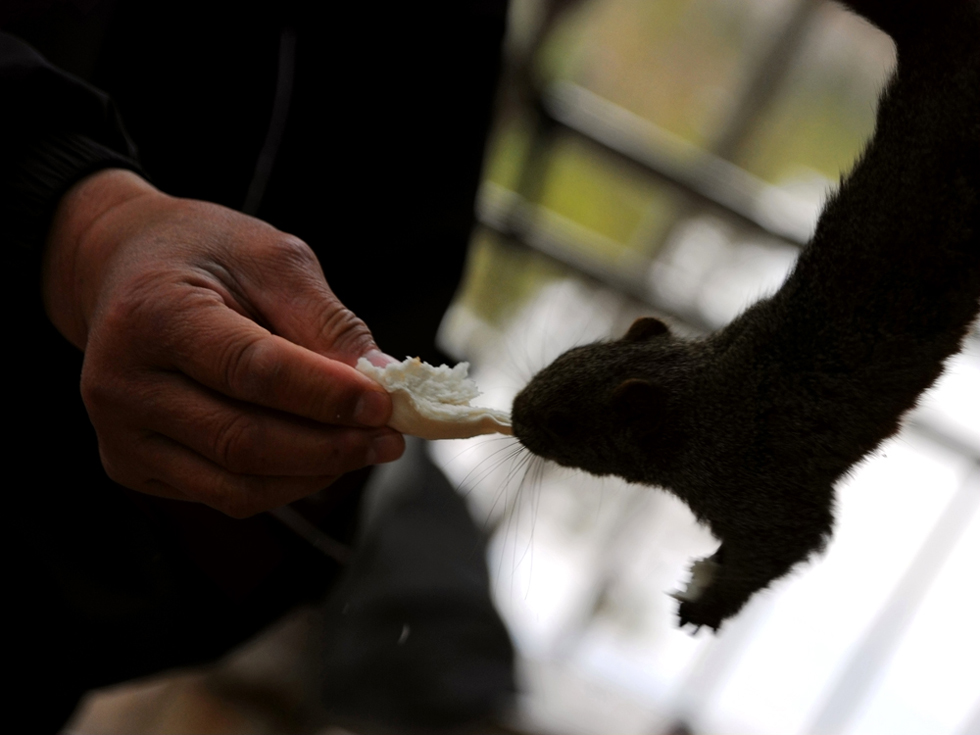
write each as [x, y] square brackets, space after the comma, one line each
[499, 277]
[681, 64]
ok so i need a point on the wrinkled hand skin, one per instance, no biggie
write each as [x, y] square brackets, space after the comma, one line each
[218, 363]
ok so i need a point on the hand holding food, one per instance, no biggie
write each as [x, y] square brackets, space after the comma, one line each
[218, 363]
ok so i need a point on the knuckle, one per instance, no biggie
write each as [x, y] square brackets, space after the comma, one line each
[95, 395]
[115, 398]
[344, 330]
[118, 315]
[237, 444]
[293, 252]
[285, 253]
[252, 368]
[132, 315]
[104, 384]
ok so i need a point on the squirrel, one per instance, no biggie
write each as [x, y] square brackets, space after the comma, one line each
[753, 425]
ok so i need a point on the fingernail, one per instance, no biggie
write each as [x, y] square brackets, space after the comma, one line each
[372, 408]
[387, 448]
[379, 358]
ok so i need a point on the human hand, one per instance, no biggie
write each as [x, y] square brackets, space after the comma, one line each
[218, 362]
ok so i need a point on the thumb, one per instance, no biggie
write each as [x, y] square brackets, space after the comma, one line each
[295, 300]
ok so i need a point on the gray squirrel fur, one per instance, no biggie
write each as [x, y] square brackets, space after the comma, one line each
[753, 425]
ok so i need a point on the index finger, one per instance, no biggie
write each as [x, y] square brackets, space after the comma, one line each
[238, 358]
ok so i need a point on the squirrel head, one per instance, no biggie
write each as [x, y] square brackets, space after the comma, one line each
[611, 407]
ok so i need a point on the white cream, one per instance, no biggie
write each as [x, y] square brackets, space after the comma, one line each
[434, 402]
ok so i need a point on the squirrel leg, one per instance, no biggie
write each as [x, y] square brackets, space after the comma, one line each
[743, 565]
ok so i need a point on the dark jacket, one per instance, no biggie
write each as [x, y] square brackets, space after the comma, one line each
[376, 167]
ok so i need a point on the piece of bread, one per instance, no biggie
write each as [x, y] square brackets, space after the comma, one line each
[434, 402]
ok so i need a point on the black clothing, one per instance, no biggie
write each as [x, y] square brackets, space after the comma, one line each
[55, 130]
[377, 170]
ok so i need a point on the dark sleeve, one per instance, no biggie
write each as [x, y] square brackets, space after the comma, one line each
[54, 130]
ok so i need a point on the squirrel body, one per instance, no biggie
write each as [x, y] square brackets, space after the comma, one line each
[753, 425]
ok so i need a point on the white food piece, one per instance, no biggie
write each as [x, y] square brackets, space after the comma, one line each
[702, 575]
[434, 402]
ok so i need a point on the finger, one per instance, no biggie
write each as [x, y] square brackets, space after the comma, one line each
[247, 439]
[160, 466]
[290, 291]
[233, 355]
[380, 359]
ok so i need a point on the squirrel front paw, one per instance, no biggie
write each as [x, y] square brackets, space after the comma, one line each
[707, 600]
[721, 584]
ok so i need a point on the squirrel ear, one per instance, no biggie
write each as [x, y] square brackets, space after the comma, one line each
[639, 399]
[644, 328]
